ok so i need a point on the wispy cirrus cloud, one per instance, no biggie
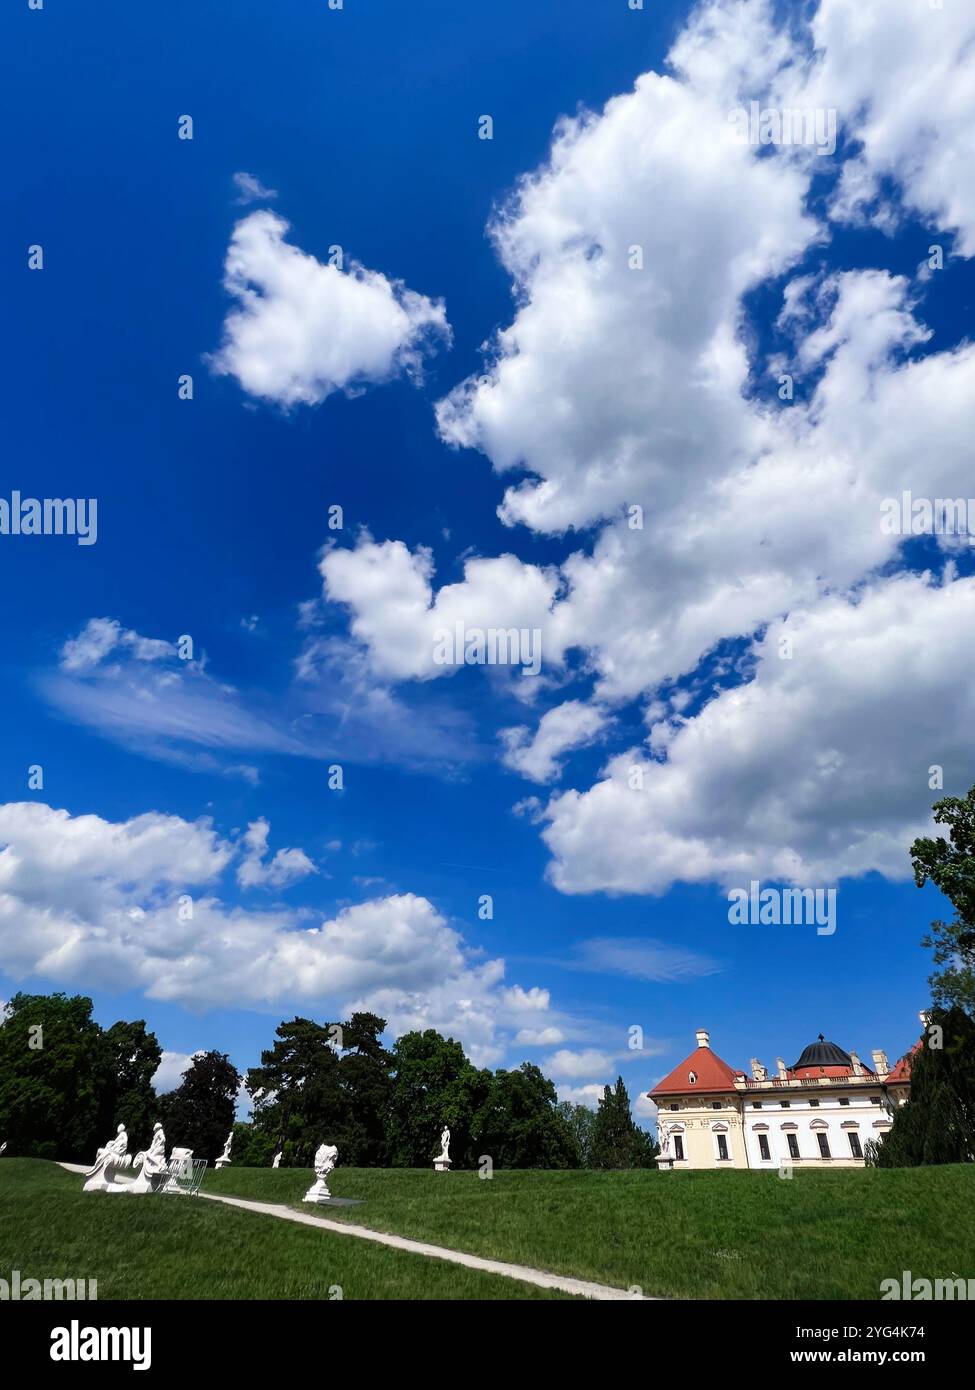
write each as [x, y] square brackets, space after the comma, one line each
[640, 958]
[137, 692]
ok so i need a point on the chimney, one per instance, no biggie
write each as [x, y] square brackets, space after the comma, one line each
[758, 1071]
[780, 1067]
[703, 1037]
[880, 1064]
[857, 1064]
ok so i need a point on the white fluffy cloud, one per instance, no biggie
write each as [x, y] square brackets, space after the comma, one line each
[303, 329]
[817, 767]
[255, 870]
[169, 1073]
[630, 393]
[589, 1096]
[397, 617]
[570, 725]
[101, 904]
[902, 75]
[570, 1064]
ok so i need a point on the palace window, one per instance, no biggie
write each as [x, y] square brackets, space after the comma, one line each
[855, 1149]
[823, 1146]
[874, 1100]
[716, 1105]
[679, 1147]
[722, 1147]
[844, 1100]
[756, 1105]
[675, 1107]
[763, 1147]
[787, 1105]
[814, 1104]
[793, 1145]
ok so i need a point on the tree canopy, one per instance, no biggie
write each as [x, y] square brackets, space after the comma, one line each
[199, 1114]
[950, 865]
[66, 1083]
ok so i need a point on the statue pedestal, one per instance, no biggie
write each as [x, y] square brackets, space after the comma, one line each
[441, 1165]
[223, 1163]
[665, 1165]
[318, 1192]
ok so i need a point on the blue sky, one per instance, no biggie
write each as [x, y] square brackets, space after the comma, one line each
[213, 514]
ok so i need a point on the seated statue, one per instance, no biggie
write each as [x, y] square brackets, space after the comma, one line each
[151, 1164]
[100, 1177]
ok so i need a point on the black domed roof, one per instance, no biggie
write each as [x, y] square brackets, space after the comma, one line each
[823, 1054]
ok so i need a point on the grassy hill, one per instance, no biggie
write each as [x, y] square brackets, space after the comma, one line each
[821, 1234]
[177, 1247]
[735, 1235]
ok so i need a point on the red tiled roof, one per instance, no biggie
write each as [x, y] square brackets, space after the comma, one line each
[712, 1075]
[902, 1071]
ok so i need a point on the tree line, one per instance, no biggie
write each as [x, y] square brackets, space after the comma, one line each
[66, 1083]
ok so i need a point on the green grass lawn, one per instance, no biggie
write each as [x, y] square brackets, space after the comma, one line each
[181, 1247]
[821, 1234]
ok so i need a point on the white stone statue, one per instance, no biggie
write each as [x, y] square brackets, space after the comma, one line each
[276, 1160]
[151, 1164]
[442, 1161]
[325, 1160]
[180, 1167]
[100, 1177]
[224, 1158]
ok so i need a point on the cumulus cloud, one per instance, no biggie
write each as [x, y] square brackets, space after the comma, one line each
[397, 618]
[572, 1064]
[303, 329]
[539, 1037]
[589, 1096]
[816, 768]
[902, 74]
[570, 725]
[255, 870]
[630, 394]
[85, 901]
[169, 1073]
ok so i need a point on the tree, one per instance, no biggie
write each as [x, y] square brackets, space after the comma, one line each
[296, 1090]
[253, 1147]
[937, 1124]
[325, 1082]
[433, 1085]
[519, 1124]
[65, 1084]
[580, 1120]
[617, 1141]
[132, 1057]
[199, 1114]
[365, 1081]
[950, 866]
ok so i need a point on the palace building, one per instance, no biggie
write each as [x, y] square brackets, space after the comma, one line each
[818, 1113]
